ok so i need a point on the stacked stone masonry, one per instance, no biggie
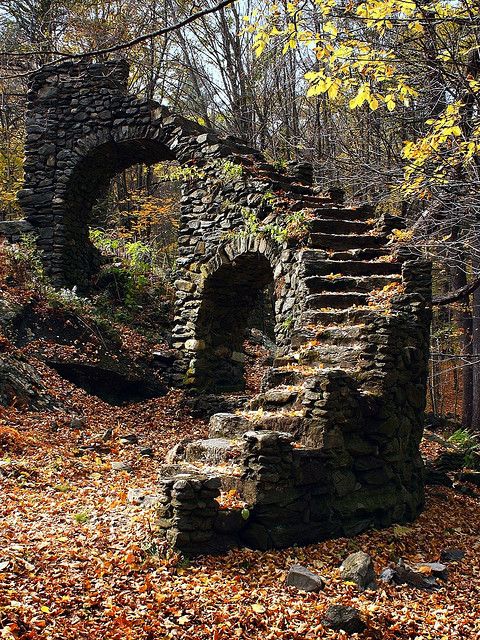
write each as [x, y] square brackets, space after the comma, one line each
[331, 444]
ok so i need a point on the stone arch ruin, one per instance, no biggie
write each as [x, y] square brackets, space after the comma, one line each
[331, 445]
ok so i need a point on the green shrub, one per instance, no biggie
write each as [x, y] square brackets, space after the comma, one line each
[469, 444]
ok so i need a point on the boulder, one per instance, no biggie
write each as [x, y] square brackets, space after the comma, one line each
[358, 568]
[303, 579]
[452, 555]
[342, 618]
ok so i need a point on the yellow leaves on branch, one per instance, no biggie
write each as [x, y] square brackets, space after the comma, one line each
[319, 83]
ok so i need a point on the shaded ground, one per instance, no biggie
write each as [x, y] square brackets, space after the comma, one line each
[77, 560]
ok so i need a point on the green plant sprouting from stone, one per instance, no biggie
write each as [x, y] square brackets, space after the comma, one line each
[231, 170]
[254, 226]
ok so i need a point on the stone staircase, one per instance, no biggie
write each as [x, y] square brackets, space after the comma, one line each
[342, 263]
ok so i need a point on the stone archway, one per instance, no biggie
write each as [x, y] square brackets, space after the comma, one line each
[352, 314]
[230, 294]
[88, 181]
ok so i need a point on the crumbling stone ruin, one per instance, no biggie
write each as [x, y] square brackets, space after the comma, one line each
[330, 446]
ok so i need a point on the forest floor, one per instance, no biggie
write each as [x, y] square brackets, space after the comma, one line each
[79, 560]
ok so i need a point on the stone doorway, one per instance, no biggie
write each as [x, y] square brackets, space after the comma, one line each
[237, 297]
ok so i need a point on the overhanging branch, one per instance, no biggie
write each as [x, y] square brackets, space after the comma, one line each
[459, 294]
[64, 55]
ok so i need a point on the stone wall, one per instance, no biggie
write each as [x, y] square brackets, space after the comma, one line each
[332, 441]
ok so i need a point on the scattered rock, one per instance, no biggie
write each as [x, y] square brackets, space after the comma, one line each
[358, 568]
[140, 498]
[342, 618]
[78, 423]
[403, 574]
[121, 466]
[388, 575]
[452, 555]
[107, 435]
[303, 579]
[436, 568]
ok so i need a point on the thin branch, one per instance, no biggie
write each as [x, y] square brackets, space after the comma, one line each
[122, 45]
[459, 294]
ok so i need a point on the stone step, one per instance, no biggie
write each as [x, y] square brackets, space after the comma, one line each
[336, 356]
[315, 267]
[228, 425]
[280, 374]
[213, 450]
[322, 199]
[340, 283]
[343, 213]
[334, 335]
[337, 241]
[277, 397]
[230, 476]
[286, 422]
[332, 316]
[370, 254]
[335, 300]
[333, 225]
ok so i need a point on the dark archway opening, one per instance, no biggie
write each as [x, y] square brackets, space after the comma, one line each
[89, 184]
[236, 298]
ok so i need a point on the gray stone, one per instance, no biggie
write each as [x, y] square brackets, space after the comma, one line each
[342, 618]
[213, 451]
[452, 555]
[358, 568]
[121, 466]
[437, 569]
[228, 425]
[303, 579]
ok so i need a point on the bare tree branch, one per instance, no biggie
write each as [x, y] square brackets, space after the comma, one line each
[63, 56]
[459, 294]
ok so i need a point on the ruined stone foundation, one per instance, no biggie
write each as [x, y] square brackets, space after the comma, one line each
[330, 446]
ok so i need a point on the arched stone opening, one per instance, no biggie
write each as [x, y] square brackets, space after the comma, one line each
[87, 184]
[232, 300]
